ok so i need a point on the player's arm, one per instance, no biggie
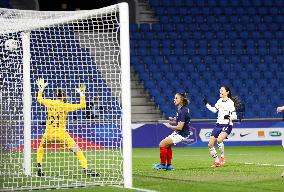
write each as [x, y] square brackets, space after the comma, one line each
[82, 104]
[41, 85]
[208, 106]
[177, 127]
[279, 109]
[233, 114]
[180, 124]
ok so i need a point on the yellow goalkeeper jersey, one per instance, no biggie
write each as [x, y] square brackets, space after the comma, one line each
[57, 112]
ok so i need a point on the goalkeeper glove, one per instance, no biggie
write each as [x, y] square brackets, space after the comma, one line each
[81, 90]
[40, 83]
[226, 116]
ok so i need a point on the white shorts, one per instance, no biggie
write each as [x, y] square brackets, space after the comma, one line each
[176, 138]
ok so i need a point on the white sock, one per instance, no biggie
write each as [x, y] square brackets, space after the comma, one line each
[214, 154]
[221, 148]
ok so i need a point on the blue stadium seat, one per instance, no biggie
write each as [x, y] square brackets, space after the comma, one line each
[153, 67]
[156, 27]
[164, 19]
[144, 27]
[149, 35]
[180, 27]
[163, 85]
[159, 60]
[179, 51]
[149, 84]
[168, 27]
[168, 76]
[133, 28]
[208, 41]
[165, 68]
[262, 67]
[185, 35]
[183, 11]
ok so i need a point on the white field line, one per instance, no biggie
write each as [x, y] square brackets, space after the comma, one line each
[264, 164]
[134, 188]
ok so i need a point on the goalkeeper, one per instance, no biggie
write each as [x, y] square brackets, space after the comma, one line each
[57, 113]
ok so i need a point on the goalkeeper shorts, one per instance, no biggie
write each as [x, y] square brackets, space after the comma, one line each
[60, 138]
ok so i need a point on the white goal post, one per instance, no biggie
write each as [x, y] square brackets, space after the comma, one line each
[65, 111]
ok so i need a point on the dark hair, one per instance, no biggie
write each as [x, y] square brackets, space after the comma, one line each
[60, 93]
[185, 100]
[235, 99]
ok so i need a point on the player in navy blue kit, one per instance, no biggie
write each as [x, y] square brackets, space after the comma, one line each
[225, 107]
[181, 131]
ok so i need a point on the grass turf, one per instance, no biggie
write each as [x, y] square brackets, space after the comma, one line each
[192, 171]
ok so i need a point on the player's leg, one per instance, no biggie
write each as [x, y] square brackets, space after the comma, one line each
[169, 158]
[175, 138]
[40, 153]
[214, 134]
[72, 146]
[164, 144]
[221, 137]
[226, 130]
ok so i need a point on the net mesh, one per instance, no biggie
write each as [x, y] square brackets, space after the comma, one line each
[67, 49]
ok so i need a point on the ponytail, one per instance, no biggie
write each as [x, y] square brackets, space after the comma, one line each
[235, 99]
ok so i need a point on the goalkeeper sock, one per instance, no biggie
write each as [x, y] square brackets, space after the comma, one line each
[169, 155]
[82, 159]
[163, 155]
[40, 152]
[221, 148]
[214, 154]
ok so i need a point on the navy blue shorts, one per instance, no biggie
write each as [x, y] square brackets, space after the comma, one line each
[221, 128]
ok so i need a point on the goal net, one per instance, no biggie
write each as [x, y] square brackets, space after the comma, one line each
[53, 132]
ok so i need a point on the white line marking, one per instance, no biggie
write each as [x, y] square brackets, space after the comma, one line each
[134, 188]
[264, 164]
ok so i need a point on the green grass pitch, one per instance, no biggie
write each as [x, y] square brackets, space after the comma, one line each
[193, 172]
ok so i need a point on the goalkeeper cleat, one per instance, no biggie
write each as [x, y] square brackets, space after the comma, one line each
[91, 173]
[169, 167]
[222, 161]
[216, 164]
[159, 166]
[40, 173]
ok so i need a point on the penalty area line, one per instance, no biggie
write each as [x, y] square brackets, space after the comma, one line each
[264, 164]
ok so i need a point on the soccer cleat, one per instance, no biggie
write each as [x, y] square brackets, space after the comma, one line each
[169, 167]
[282, 175]
[159, 166]
[40, 173]
[91, 173]
[216, 164]
[222, 162]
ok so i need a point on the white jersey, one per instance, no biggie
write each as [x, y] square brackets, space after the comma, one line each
[224, 108]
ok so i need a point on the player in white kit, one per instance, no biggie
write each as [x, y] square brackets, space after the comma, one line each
[225, 107]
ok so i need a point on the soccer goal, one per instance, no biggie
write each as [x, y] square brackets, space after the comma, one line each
[65, 98]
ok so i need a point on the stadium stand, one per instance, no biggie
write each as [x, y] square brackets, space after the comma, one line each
[199, 45]
[71, 62]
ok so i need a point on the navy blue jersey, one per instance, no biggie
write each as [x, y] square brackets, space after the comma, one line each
[183, 116]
